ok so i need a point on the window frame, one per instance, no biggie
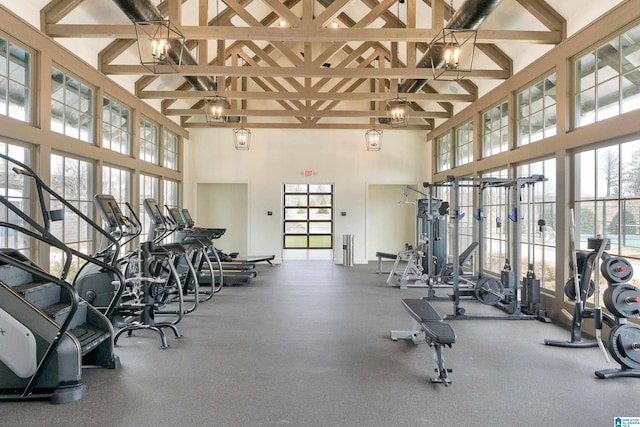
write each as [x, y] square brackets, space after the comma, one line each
[83, 116]
[30, 76]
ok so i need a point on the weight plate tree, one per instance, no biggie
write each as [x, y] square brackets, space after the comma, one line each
[624, 345]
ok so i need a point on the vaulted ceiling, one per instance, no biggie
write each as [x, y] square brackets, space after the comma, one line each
[313, 63]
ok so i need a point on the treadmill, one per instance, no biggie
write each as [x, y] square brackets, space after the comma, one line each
[217, 233]
[232, 273]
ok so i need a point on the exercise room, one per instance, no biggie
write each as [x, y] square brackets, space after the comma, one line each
[319, 213]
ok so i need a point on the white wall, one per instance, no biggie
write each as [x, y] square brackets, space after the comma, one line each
[390, 225]
[281, 156]
[225, 206]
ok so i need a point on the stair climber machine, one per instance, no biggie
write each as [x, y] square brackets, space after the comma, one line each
[48, 333]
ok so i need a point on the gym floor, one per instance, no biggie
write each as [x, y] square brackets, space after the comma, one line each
[307, 344]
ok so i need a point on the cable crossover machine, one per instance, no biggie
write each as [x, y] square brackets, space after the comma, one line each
[517, 299]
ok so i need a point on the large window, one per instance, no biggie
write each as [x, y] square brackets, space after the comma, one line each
[16, 189]
[536, 107]
[149, 141]
[608, 196]
[148, 190]
[464, 144]
[539, 226]
[72, 179]
[308, 216]
[443, 153]
[607, 79]
[71, 106]
[495, 130]
[170, 193]
[170, 150]
[15, 81]
[116, 132]
[116, 182]
[496, 224]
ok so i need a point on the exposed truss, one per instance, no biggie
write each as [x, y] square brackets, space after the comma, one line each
[306, 74]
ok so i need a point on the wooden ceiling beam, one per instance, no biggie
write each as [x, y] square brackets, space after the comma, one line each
[306, 95]
[300, 72]
[342, 35]
[306, 112]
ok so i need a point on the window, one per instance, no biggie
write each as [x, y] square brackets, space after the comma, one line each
[170, 151]
[116, 133]
[72, 179]
[542, 238]
[148, 190]
[116, 182]
[536, 107]
[149, 143]
[443, 153]
[608, 196]
[464, 144]
[71, 106]
[15, 81]
[606, 79]
[308, 216]
[15, 188]
[465, 210]
[170, 193]
[495, 224]
[495, 130]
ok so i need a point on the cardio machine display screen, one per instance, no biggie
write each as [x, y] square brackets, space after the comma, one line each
[151, 206]
[108, 209]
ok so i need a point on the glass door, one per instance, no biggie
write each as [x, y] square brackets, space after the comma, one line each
[308, 216]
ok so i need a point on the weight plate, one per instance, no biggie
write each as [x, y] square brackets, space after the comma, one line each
[570, 289]
[622, 300]
[616, 270]
[446, 274]
[488, 290]
[608, 302]
[624, 345]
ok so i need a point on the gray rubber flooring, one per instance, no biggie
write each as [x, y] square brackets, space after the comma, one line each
[307, 344]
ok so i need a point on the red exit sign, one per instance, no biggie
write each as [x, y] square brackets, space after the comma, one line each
[308, 173]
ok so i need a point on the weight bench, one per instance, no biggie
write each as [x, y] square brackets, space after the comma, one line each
[385, 255]
[428, 328]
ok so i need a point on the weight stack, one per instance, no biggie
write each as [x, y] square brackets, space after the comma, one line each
[530, 291]
[508, 280]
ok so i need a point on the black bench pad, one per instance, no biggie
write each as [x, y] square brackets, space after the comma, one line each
[421, 310]
[386, 255]
[430, 321]
[439, 332]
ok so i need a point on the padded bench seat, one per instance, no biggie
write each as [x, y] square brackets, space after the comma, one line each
[385, 255]
[430, 321]
[433, 331]
[439, 332]
[421, 310]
